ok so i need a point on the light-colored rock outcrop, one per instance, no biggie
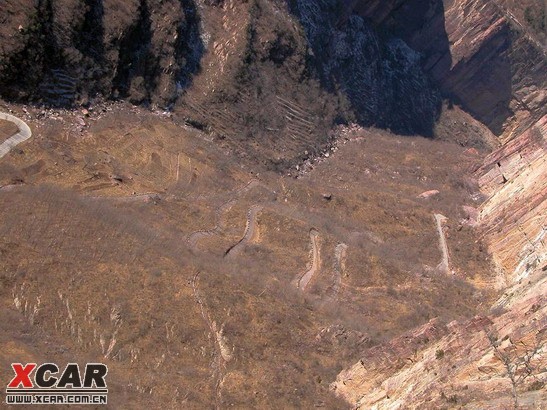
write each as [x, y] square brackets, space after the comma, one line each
[460, 364]
[515, 214]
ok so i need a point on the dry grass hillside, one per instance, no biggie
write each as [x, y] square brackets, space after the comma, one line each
[143, 243]
[229, 201]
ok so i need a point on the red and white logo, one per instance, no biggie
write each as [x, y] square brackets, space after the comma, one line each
[46, 384]
[22, 375]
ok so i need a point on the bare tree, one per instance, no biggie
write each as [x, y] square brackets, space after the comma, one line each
[519, 362]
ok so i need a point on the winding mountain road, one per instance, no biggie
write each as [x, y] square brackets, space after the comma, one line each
[24, 134]
[444, 265]
[303, 282]
[197, 236]
[251, 229]
[231, 199]
[340, 253]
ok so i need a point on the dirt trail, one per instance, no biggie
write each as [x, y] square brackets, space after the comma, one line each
[144, 197]
[444, 266]
[221, 353]
[197, 236]
[304, 280]
[340, 253]
[24, 134]
[251, 230]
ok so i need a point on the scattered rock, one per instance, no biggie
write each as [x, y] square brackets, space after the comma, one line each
[471, 215]
[429, 194]
[327, 196]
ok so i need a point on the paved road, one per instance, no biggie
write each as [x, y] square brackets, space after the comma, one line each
[444, 265]
[315, 263]
[24, 134]
[340, 253]
[250, 230]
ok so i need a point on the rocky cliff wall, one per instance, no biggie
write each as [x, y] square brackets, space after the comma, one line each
[62, 52]
[515, 214]
[478, 53]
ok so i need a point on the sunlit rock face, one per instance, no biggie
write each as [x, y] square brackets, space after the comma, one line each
[515, 214]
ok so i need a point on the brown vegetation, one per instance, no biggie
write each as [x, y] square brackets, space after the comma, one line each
[95, 253]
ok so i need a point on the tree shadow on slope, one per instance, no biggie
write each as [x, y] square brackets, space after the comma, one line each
[484, 84]
[190, 48]
[89, 40]
[143, 62]
[22, 72]
[135, 73]
[145, 54]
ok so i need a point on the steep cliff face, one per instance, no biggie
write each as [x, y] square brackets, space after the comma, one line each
[515, 214]
[382, 78]
[477, 52]
[62, 52]
[486, 363]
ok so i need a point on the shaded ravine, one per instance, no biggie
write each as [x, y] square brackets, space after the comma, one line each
[24, 134]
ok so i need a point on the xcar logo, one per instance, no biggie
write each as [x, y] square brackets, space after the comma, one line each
[45, 384]
[21, 375]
